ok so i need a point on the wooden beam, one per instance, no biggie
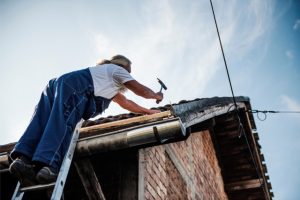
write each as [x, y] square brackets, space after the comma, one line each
[3, 158]
[255, 134]
[269, 185]
[141, 174]
[242, 185]
[124, 122]
[89, 179]
[262, 167]
[4, 163]
[262, 157]
[7, 147]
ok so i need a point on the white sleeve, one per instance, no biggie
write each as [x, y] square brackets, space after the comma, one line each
[120, 75]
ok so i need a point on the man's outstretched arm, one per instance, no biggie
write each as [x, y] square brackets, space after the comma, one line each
[143, 91]
[132, 106]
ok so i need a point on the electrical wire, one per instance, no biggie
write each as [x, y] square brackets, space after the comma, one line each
[273, 111]
[227, 71]
[241, 127]
[262, 114]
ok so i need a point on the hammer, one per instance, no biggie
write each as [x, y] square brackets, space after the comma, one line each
[162, 86]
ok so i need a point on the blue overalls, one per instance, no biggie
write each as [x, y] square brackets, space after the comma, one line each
[63, 103]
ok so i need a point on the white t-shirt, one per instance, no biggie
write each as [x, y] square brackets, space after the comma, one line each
[108, 79]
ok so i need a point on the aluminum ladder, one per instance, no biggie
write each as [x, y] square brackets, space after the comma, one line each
[62, 175]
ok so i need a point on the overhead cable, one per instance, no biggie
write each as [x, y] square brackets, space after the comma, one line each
[262, 114]
[241, 127]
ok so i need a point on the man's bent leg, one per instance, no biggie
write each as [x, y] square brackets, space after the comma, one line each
[66, 112]
[32, 135]
[22, 167]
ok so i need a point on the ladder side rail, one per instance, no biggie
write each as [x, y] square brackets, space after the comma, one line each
[18, 194]
[64, 169]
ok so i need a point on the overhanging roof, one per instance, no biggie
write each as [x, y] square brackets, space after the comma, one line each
[243, 168]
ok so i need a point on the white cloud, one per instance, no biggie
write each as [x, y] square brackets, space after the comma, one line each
[253, 22]
[14, 131]
[103, 46]
[179, 43]
[289, 54]
[290, 104]
[297, 24]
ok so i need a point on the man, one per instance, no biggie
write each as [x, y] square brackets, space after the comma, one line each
[75, 95]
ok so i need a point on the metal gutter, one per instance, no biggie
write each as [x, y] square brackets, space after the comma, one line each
[156, 132]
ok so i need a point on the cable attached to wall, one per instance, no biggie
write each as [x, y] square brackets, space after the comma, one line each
[241, 127]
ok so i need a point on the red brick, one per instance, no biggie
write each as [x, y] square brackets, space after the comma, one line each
[163, 180]
[152, 191]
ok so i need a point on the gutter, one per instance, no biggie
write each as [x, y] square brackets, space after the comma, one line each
[151, 133]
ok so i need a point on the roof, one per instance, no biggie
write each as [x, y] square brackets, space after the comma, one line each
[239, 153]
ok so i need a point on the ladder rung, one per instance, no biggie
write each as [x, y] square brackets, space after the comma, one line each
[4, 170]
[57, 186]
[37, 187]
[3, 153]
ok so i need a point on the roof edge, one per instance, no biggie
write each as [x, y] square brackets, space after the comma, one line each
[196, 111]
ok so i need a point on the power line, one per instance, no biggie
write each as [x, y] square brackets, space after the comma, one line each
[262, 114]
[227, 71]
[272, 111]
[241, 127]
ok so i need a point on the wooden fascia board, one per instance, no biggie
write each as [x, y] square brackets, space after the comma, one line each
[242, 185]
[257, 155]
[124, 122]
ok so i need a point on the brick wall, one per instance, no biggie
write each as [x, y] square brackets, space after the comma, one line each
[182, 170]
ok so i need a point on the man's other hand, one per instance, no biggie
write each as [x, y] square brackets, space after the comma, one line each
[132, 106]
[150, 112]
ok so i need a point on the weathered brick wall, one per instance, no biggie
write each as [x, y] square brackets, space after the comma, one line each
[176, 187]
[182, 170]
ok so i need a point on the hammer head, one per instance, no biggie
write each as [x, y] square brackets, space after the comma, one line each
[162, 84]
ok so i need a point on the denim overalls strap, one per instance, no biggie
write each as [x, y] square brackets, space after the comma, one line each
[101, 103]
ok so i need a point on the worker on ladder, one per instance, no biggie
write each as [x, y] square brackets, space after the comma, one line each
[64, 102]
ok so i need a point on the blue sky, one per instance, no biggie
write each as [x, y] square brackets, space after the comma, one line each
[173, 40]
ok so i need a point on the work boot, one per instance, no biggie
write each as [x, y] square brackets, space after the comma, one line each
[46, 175]
[24, 171]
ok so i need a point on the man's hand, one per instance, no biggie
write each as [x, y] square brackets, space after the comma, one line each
[132, 106]
[153, 112]
[159, 97]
